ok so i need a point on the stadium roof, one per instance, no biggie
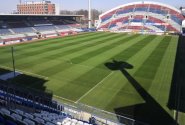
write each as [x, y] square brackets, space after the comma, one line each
[40, 15]
[142, 2]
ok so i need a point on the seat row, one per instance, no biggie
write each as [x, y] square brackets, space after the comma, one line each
[19, 117]
[33, 29]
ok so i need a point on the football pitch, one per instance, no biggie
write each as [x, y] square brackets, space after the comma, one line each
[119, 73]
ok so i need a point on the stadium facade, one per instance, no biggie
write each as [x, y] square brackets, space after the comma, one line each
[148, 17]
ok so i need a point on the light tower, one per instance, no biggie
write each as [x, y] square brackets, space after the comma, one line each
[89, 15]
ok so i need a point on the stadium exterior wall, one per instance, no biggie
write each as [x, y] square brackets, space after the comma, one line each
[142, 17]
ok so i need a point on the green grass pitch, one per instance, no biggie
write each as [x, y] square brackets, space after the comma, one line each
[75, 69]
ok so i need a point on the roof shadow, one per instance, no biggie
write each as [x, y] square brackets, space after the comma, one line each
[149, 112]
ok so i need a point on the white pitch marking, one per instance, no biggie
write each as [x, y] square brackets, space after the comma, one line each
[94, 87]
[29, 73]
[64, 98]
[69, 61]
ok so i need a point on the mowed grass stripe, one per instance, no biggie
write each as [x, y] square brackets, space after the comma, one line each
[127, 91]
[68, 45]
[63, 65]
[93, 43]
[61, 44]
[53, 47]
[108, 47]
[61, 54]
[122, 98]
[110, 88]
[46, 42]
[152, 63]
[163, 77]
[102, 57]
[85, 81]
[145, 80]
[56, 40]
[128, 53]
[131, 51]
[59, 66]
[146, 73]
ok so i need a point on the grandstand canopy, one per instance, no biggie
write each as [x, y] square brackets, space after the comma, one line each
[12, 16]
[39, 15]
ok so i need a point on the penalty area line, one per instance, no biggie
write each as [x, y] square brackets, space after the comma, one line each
[28, 73]
[94, 87]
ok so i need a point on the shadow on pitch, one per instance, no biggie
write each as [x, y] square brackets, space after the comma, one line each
[177, 92]
[149, 112]
[26, 86]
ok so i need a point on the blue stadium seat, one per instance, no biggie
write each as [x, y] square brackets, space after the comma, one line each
[141, 9]
[124, 11]
[106, 18]
[176, 19]
[112, 25]
[45, 28]
[63, 27]
[157, 11]
[23, 30]
[5, 32]
[125, 21]
[161, 27]
[137, 20]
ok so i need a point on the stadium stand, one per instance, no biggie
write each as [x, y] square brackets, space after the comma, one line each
[44, 28]
[20, 117]
[19, 106]
[5, 31]
[23, 30]
[26, 106]
[150, 17]
[20, 28]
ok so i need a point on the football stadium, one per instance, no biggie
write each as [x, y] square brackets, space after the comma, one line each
[129, 70]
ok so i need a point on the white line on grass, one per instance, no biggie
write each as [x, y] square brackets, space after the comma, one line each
[94, 87]
[69, 61]
[64, 98]
[29, 73]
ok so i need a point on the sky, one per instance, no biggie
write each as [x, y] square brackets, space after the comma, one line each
[8, 6]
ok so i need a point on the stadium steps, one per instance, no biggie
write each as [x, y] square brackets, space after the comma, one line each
[11, 31]
[34, 29]
[153, 28]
